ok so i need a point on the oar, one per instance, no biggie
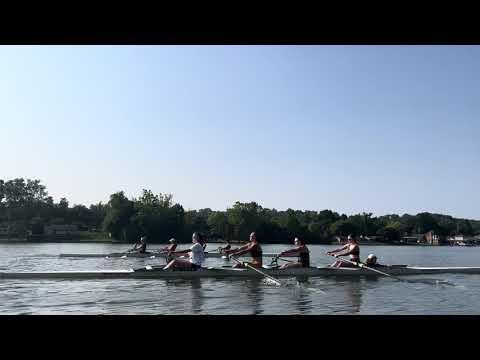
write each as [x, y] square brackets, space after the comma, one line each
[289, 261]
[214, 251]
[276, 258]
[298, 284]
[361, 265]
[277, 282]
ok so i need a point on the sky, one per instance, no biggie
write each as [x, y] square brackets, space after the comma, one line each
[381, 129]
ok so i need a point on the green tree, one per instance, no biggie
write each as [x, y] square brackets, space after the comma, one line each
[390, 233]
[218, 225]
[118, 215]
[425, 222]
[244, 218]
[157, 216]
[98, 212]
[343, 227]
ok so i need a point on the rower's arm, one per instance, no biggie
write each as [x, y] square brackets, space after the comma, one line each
[348, 252]
[293, 251]
[339, 249]
[135, 247]
[180, 252]
[345, 253]
[242, 250]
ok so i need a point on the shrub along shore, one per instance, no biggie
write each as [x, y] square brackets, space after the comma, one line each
[28, 212]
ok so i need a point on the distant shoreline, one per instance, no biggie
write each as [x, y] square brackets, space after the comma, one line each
[111, 241]
[25, 240]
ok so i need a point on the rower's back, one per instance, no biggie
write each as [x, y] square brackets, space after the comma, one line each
[255, 250]
[143, 245]
[304, 256]
[256, 253]
[197, 256]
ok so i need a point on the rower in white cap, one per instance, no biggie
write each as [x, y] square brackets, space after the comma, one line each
[372, 261]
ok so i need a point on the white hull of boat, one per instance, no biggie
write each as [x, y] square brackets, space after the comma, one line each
[224, 272]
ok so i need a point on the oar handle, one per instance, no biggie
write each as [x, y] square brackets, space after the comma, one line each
[255, 269]
[359, 264]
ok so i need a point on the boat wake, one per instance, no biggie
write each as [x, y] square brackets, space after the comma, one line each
[434, 282]
[292, 284]
[296, 284]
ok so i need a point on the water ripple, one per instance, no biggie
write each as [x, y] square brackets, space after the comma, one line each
[452, 294]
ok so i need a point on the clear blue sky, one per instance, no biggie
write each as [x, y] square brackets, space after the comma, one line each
[386, 129]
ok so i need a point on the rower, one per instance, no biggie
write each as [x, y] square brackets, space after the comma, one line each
[221, 250]
[196, 256]
[170, 248]
[301, 251]
[351, 248]
[202, 241]
[141, 246]
[253, 247]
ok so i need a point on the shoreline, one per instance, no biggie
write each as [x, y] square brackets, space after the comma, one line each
[107, 241]
[24, 241]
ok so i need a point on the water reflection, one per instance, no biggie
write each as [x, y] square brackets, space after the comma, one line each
[194, 287]
[255, 294]
[354, 294]
[350, 290]
[303, 301]
[370, 295]
[197, 296]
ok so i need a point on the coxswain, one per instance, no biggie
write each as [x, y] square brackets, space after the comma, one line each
[371, 261]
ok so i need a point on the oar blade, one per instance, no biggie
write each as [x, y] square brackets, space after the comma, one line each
[272, 282]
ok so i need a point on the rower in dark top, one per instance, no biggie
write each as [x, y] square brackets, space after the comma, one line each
[204, 246]
[301, 251]
[351, 248]
[202, 241]
[255, 250]
[222, 250]
[141, 246]
[170, 248]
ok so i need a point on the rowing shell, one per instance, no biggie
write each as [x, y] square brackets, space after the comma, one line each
[156, 272]
[149, 255]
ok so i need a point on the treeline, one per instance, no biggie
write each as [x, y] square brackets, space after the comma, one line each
[26, 204]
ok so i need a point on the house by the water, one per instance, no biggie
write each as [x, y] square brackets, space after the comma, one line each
[462, 240]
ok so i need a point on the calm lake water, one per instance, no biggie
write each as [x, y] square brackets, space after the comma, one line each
[234, 296]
